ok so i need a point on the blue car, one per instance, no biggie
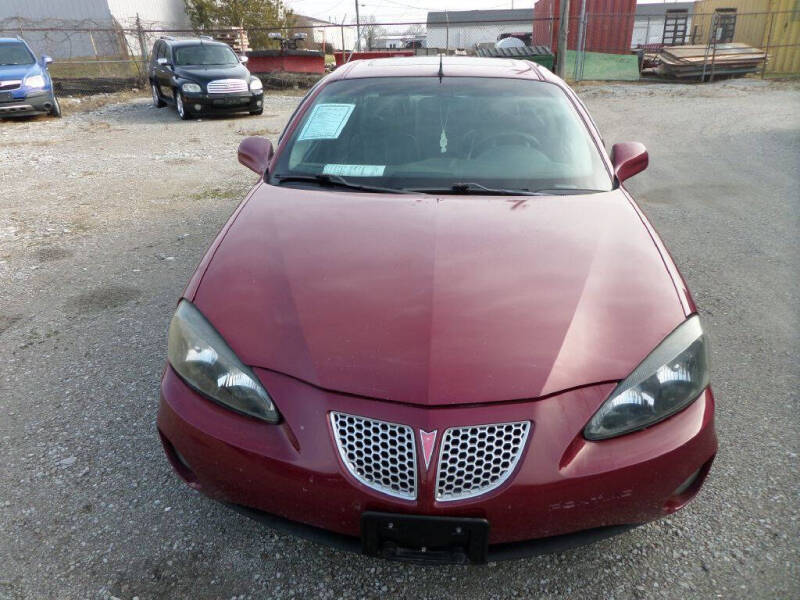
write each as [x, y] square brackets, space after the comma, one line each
[25, 85]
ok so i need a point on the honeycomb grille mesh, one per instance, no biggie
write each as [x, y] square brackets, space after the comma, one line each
[379, 454]
[477, 459]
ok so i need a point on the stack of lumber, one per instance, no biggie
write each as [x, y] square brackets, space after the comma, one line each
[235, 37]
[732, 59]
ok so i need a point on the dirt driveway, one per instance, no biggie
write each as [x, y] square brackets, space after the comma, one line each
[103, 216]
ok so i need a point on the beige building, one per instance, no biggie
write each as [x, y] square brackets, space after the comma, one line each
[773, 25]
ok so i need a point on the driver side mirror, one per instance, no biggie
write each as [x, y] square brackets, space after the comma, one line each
[243, 59]
[255, 153]
[628, 158]
[162, 61]
[46, 60]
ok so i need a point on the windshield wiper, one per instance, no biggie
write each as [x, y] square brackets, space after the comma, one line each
[482, 190]
[474, 188]
[566, 191]
[339, 181]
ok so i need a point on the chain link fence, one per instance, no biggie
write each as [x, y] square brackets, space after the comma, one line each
[92, 56]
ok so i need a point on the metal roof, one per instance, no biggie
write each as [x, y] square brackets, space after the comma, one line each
[659, 9]
[479, 16]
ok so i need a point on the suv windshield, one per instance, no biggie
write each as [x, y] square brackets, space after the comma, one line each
[205, 55]
[15, 54]
[458, 135]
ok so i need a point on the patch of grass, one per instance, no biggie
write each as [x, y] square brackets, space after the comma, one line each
[220, 192]
[100, 67]
[265, 131]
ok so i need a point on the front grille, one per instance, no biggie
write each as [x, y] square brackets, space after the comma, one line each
[227, 86]
[10, 84]
[380, 455]
[477, 459]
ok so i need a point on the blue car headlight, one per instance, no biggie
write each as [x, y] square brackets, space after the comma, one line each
[668, 380]
[34, 81]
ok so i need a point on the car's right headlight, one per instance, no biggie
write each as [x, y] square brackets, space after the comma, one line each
[191, 88]
[203, 359]
[256, 85]
[34, 81]
[668, 380]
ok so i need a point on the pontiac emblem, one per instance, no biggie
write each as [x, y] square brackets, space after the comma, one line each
[428, 441]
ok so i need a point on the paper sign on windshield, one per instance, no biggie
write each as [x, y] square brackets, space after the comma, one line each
[354, 170]
[326, 121]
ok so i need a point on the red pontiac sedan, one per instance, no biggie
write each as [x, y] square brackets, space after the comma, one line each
[439, 329]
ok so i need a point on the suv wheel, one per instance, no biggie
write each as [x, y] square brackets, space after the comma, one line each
[157, 101]
[183, 113]
[56, 110]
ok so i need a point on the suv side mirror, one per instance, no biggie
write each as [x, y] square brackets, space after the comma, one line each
[243, 59]
[255, 153]
[162, 61]
[628, 158]
[46, 60]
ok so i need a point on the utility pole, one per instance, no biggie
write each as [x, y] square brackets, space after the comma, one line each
[563, 31]
[358, 29]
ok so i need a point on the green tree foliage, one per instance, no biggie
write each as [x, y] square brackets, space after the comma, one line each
[258, 17]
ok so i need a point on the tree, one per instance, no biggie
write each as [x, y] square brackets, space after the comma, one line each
[416, 29]
[370, 31]
[258, 17]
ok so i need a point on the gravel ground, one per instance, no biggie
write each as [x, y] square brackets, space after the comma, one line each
[104, 215]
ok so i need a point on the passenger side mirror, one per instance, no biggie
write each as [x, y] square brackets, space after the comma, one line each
[243, 59]
[255, 153]
[46, 60]
[162, 61]
[628, 158]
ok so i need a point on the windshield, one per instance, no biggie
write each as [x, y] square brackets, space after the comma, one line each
[15, 54]
[203, 54]
[424, 134]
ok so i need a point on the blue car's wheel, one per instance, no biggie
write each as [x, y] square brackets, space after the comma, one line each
[56, 110]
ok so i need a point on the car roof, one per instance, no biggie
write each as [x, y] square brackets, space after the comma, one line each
[452, 66]
[192, 42]
[5, 40]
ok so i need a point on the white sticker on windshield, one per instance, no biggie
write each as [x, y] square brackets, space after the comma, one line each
[326, 121]
[354, 170]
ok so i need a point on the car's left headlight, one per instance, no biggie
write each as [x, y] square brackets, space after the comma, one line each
[34, 81]
[203, 359]
[256, 85]
[191, 88]
[665, 382]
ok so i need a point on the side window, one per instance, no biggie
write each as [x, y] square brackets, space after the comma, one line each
[162, 50]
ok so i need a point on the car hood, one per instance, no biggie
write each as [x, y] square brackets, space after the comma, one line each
[14, 72]
[439, 301]
[206, 74]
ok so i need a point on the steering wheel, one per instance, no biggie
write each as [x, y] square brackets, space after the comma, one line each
[493, 141]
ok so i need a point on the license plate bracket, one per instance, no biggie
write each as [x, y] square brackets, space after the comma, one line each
[425, 539]
[5, 97]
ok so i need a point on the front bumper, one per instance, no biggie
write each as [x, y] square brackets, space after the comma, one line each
[223, 103]
[20, 103]
[563, 484]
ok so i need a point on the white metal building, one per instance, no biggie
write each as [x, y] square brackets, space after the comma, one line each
[465, 28]
[322, 32]
[53, 19]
